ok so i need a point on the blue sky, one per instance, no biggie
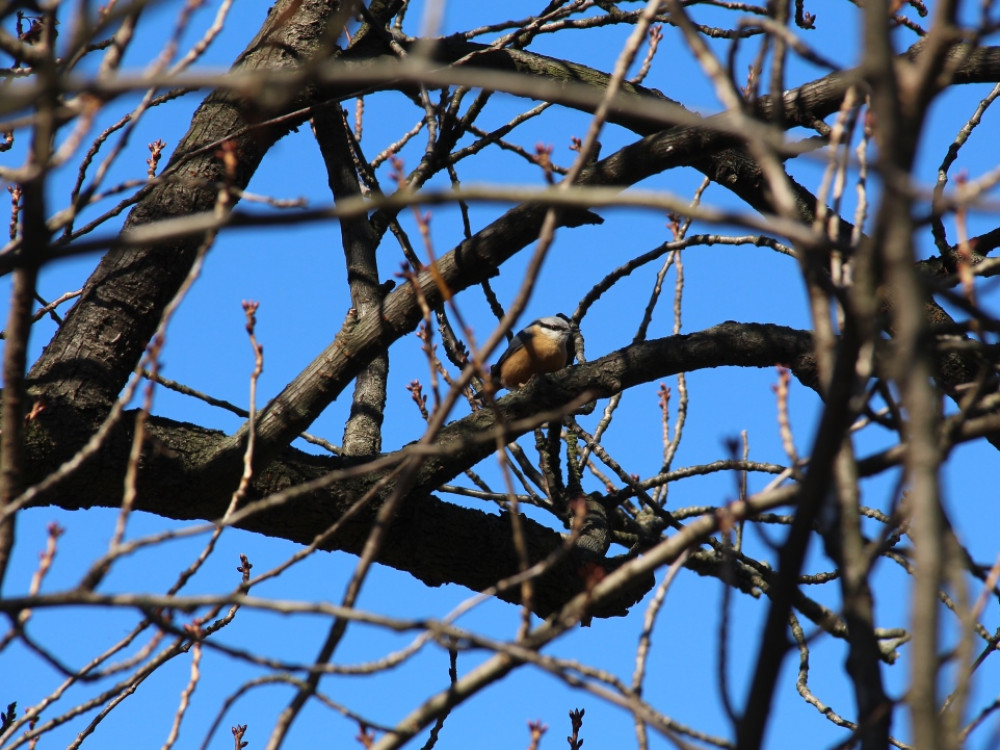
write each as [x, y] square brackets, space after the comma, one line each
[296, 275]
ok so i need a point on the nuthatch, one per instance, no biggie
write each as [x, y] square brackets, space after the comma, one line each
[543, 346]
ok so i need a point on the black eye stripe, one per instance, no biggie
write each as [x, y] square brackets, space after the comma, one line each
[551, 326]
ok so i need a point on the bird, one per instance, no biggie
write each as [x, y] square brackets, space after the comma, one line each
[543, 346]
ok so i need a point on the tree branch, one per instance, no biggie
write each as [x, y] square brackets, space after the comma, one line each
[104, 335]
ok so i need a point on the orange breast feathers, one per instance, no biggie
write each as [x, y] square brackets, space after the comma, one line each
[542, 347]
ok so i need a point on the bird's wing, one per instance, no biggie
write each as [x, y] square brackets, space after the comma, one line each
[516, 343]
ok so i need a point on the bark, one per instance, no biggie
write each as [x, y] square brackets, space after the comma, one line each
[435, 541]
[105, 333]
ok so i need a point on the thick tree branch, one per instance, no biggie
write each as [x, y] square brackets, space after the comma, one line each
[728, 344]
[105, 333]
[171, 484]
[104, 315]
